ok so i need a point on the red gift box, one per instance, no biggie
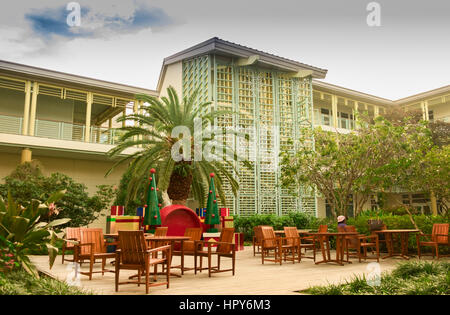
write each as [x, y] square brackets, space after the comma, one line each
[224, 212]
[117, 210]
[238, 241]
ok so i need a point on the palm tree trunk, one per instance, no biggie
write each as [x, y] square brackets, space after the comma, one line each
[179, 188]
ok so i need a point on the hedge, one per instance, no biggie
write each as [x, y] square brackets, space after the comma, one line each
[304, 221]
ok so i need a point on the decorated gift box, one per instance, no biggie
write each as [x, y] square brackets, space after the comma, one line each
[211, 237]
[140, 211]
[238, 241]
[201, 212]
[111, 224]
[128, 223]
[224, 212]
[117, 210]
[227, 222]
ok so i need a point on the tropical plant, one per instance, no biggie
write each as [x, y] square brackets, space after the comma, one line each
[175, 155]
[20, 227]
[27, 182]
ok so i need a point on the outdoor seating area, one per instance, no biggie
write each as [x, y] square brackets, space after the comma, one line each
[145, 252]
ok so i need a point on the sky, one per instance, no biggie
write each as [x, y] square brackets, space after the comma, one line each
[125, 41]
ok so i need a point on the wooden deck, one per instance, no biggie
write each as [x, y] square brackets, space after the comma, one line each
[252, 278]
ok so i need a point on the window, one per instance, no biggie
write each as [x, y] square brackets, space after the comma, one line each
[325, 116]
[430, 115]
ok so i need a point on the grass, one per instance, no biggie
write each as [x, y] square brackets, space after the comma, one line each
[19, 282]
[409, 278]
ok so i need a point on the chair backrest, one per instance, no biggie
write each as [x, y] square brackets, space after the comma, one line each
[194, 233]
[323, 228]
[95, 236]
[73, 233]
[133, 247]
[269, 236]
[258, 233]
[440, 233]
[226, 236]
[291, 234]
[353, 239]
[161, 231]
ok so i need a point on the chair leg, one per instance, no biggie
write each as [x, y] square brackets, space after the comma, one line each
[218, 262]
[91, 267]
[209, 265]
[437, 251]
[147, 270]
[195, 264]
[103, 266]
[117, 277]
[63, 252]
[233, 262]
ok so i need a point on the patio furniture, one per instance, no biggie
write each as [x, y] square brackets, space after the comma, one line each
[323, 228]
[358, 242]
[270, 242]
[134, 254]
[340, 241]
[439, 236]
[403, 235]
[378, 225]
[188, 248]
[257, 239]
[225, 248]
[292, 235]
[165, 240]
[72, 236]
[161, 231]
[92, 246]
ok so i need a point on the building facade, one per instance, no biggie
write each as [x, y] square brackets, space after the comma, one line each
[67, 122]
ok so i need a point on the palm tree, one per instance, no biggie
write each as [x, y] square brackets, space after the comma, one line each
[153, 132]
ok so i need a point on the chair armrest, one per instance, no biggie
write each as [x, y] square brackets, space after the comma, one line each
[159, 249]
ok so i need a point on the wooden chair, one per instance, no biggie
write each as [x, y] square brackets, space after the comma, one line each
[257, 239]
[188, 248]
[92, 246]
[270, 242]
[439, 236]
[358, 242]
[135, 255]
[161, 231]
[382, 239]
[292, 235]
[225, 248]
[72, 234]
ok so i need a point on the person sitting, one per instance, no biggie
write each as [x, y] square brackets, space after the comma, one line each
[342, 221]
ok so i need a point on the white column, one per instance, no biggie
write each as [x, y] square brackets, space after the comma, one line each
[334, 102]
[32, 122]
[26, 108]
[87, 130]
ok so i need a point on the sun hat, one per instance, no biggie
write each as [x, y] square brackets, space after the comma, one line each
[340, 218]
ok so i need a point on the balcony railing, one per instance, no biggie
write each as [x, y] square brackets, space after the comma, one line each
[60, 130]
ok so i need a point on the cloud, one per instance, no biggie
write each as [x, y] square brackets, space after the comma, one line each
[51, 23]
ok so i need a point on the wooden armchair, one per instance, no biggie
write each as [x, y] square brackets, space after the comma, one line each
[317, 240]
[439, 236]
[188, 248]
[161, 231]
[72, 235]
[292, 235]
[91, 247]
[358, 242]
[135, 255]
[270, 242]
[225, 248]
[257, 239]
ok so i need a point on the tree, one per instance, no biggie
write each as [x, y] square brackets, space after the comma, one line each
[377, 157]
[154, 133]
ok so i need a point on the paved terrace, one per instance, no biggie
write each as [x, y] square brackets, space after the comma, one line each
[252, 278]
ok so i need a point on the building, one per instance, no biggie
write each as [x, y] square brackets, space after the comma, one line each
[67, 122]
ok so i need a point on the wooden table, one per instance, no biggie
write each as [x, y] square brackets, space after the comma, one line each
[172, 240]
[340, 239]
[281, 232]
[404, 235]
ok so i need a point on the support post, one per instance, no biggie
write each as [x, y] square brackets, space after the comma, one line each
[25, 155]
[425, 104]
[334, 110]
[87, 130]
[26, 108]
[433, 203]
[32, 122]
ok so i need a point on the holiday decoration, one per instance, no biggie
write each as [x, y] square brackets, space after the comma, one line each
[111, 224]
[117, 210]
[152, 217]
[224, 212]
[211, 238]
[227, 222]
[127, 223]
[201, 212]
[238, 241]
[212, 211]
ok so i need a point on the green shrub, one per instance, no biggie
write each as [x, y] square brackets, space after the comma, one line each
[409, 278]
[27, 182]
[19, 282]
